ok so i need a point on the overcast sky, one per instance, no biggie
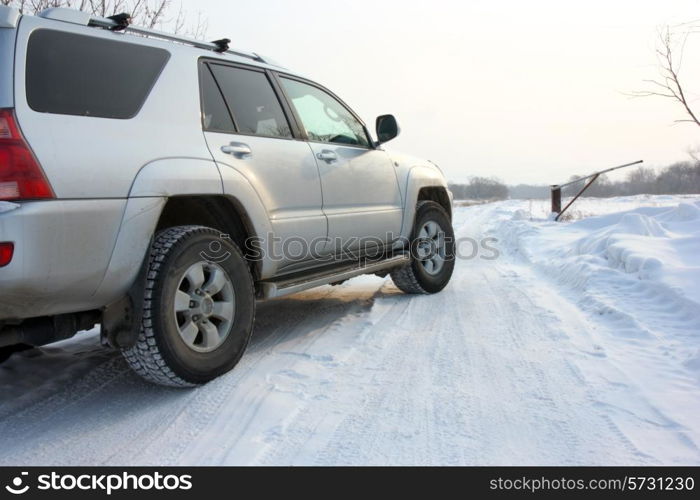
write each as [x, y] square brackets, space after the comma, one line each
[525, 91]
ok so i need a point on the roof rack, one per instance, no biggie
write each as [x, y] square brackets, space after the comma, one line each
[122, 22]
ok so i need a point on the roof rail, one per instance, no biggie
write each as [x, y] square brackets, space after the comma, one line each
[120, 22]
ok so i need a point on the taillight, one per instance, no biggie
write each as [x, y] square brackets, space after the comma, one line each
[21, 177]
[6, 252]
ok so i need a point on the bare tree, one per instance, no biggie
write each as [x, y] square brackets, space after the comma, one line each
[149, 13]
[670, 55]
[193, 26]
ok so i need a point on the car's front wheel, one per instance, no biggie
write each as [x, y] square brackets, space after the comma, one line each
[432, 252]
[198, 310]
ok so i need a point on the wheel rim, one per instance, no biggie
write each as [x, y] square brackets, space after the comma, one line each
[204, 306]
[431, 249]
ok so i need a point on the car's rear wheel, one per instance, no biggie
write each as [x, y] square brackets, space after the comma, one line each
[432, 252]
[198, 308]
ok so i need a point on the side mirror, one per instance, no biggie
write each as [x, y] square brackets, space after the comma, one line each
[387, 128]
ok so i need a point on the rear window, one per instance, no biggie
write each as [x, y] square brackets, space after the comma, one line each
[70, 74]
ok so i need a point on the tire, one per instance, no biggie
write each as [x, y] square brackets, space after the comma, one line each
[431, 264]
[188, 342]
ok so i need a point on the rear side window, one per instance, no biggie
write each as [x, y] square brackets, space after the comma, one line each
[252, 101]
[215, 115]
[70, 74]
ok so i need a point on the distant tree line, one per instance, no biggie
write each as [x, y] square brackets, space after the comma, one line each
[480, 188]
[679, 178]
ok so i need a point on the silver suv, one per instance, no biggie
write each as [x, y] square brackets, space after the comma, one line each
[160, 186]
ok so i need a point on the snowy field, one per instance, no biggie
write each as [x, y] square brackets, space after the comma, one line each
[578, 345]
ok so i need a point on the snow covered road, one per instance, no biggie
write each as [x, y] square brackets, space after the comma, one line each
[504, 367]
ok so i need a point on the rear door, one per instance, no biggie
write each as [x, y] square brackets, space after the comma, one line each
[247, 129]
[361, 196]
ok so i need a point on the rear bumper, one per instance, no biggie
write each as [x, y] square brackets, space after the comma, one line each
[62, 250]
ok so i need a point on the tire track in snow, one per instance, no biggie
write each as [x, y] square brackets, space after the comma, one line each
[237, 397]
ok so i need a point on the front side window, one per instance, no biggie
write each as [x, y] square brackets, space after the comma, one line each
[252, 101]
[71, 74]
[323, 117]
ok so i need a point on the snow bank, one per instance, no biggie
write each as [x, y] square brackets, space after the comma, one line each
[632, 266]
[660, 245]
[638, 269]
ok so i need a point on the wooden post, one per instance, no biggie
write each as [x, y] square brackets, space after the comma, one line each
[556, 199]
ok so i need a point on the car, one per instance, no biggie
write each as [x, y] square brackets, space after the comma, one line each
[161, 186]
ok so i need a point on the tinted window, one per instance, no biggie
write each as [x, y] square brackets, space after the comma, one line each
[215, 114]
[82, 75]
[324, 118]
[254, 104]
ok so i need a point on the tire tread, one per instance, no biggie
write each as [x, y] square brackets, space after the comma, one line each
[405, 277]
[145, 357]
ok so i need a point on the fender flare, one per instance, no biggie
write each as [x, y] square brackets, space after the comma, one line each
[155, 183]
[419, 177]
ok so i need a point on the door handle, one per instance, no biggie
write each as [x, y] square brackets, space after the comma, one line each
[327, 155]
[238, 149]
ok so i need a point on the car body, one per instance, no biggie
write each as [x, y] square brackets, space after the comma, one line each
[129, 133]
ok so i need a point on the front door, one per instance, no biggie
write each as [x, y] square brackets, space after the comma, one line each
[361, 196]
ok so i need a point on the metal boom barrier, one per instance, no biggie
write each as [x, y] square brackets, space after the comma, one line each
[556, 188]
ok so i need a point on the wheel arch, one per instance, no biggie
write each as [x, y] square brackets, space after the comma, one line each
[217, 211]
[439, 195]
[173, 192]
[221, 212]
[424, 183]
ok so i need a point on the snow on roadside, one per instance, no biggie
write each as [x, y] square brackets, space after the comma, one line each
[653, 252]
[636, 272]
